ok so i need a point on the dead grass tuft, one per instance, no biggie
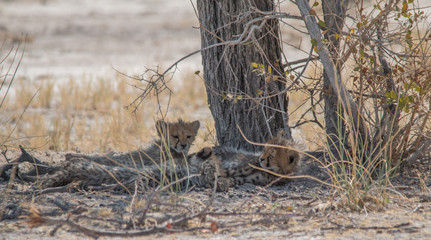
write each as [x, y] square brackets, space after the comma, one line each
[89, 115]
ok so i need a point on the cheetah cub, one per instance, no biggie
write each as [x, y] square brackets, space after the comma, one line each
[174, 143]
[175, 139]
[232, 166]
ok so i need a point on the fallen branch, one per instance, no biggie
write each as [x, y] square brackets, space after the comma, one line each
[36, 219]
[424, 148]
[40, 168]
[340, 226]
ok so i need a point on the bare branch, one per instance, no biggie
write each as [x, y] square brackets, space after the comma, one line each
[334, 76]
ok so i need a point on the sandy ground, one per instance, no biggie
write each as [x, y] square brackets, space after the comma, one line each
[300, 209]
[95, 36]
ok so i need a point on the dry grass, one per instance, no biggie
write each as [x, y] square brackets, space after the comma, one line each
[89, 114]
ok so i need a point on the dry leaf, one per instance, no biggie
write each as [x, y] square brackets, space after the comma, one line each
[312, 12]
[35, 218]
[214, 227]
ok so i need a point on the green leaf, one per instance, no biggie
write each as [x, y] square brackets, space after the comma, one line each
[276, 204]
[361, 52]
[237, 98]
[322, 24]
[407, 109]
[371, 60]
[410, 99]
[197, 72]
[253, 64]
[387, 95]
[315, 4]
[314, 42]
[392, 95]
[269, 69]
[259, 92]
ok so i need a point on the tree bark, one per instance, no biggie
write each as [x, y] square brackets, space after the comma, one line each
[345, 100]
[334, 12]
[236, 93]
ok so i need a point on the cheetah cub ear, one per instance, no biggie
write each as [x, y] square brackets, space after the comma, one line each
[195, 125]
[281, 134]
[204, 153]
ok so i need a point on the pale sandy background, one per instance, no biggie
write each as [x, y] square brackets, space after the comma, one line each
[94, 36]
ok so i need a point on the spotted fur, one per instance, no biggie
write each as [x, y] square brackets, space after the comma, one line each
[175, 140]
[232, 166]
[229, 166]
[167, 153]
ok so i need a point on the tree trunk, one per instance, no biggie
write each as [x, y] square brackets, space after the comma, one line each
[236, 93]
[334, 15]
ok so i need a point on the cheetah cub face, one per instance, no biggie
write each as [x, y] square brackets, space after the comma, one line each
[283, 159]
[179, 135]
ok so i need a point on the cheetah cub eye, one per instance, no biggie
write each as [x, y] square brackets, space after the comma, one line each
[266, 158]
[262, 163]
[292, 159]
